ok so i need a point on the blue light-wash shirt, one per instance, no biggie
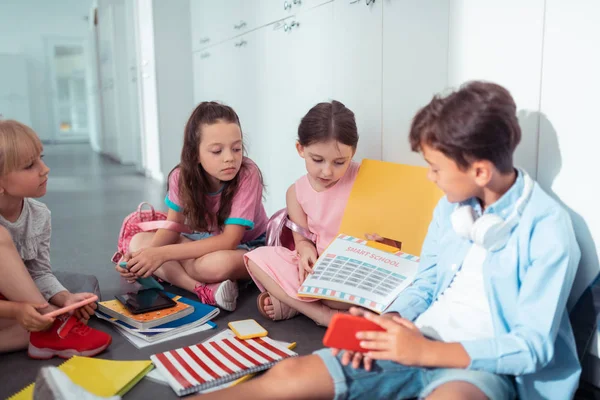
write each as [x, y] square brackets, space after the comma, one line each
[527, 285]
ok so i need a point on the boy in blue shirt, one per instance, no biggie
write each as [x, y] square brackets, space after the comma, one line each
[486, 315]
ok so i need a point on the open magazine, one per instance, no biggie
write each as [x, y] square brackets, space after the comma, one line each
[354, 271]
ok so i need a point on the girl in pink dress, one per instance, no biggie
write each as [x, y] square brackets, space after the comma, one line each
[217, 191]
[327, 139]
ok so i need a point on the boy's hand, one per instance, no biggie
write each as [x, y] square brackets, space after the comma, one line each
[307, 253]
[28, 316]
[354, 357]
[402, 341]
[357, 357]
[83, 313]
[376, 238]
[144, 262]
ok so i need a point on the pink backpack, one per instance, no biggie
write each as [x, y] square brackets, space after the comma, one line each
[279, 231]
[143, 221]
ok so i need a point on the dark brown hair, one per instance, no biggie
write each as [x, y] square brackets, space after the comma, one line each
[194, 182]
[327, 121]
[477, 122]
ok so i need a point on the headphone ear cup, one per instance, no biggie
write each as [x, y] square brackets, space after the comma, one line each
[462, 220]
[487, 231]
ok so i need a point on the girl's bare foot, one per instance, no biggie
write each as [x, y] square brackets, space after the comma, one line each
[268, 307]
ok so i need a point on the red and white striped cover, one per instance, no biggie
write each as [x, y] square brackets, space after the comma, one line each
[202, 366]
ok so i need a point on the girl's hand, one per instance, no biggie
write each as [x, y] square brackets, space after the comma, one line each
[307, 254]
[84, 313]
[144, 262]
[129, 277]
[28, 316]
[402, 341]
[376, 238]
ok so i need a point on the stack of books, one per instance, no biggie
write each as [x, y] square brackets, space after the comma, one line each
[153, 327]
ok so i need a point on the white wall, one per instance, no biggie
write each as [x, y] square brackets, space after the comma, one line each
[94, 107]
[570, 134]
[23, 26]
[415, 67]
[144, 22]
[173, 57]
[501, 41]
[14, 88]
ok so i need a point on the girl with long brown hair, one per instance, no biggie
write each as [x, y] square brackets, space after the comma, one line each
[217, 191]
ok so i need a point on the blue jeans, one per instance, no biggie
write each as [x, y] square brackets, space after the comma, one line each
[390, 380]
[250, 245]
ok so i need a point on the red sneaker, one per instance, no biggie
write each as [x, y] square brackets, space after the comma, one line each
[67, 337]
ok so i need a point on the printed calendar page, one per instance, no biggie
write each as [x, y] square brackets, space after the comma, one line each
[351, 271]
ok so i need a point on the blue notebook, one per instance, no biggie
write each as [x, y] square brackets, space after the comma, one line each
[202, 314]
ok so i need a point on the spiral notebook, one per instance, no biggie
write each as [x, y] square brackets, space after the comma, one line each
[206, 365]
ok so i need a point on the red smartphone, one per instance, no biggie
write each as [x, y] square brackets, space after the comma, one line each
[342, 330]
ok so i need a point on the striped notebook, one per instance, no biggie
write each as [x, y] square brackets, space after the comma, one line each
[205, 365]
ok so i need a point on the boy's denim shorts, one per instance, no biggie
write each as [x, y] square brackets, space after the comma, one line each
[250, 245]
[390, 380]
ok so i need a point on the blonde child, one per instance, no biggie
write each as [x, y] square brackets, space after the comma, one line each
[327, 140]
[27, 280]
[217, 191]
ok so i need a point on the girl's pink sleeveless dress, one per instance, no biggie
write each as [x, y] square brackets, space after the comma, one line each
[324, 211]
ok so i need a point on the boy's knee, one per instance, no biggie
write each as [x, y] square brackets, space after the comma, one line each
[457, 390]
[287, 369]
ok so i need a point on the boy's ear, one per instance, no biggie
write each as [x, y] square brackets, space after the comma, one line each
[300, 149]
[482, 171]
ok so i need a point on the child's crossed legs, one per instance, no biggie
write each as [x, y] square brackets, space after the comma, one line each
[186, 274]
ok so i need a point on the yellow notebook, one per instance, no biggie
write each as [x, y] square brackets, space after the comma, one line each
[101, 377]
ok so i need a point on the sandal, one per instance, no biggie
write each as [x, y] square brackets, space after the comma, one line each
[282, 310]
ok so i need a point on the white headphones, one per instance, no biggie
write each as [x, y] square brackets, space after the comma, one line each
[490, 231]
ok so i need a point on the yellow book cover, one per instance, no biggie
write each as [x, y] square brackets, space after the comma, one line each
[393, 200]
[101, 377]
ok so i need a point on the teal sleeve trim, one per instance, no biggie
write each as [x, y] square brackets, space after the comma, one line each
[171, 205]
[240, 221]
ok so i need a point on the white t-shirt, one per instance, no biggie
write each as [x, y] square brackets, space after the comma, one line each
[462, 311]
